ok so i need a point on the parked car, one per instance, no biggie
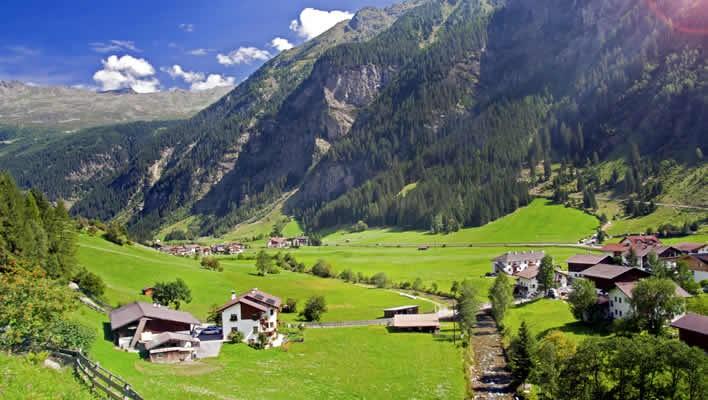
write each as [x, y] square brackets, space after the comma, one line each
[552, 294]
[212, 330]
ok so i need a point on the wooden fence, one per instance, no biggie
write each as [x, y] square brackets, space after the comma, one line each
[99, 379]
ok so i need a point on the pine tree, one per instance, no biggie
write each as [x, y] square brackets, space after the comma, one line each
[520, 354]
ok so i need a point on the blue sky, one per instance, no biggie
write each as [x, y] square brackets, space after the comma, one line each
[111, 45]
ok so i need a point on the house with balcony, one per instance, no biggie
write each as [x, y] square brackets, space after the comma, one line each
[255, 315]
[514, 262]
[135, 325]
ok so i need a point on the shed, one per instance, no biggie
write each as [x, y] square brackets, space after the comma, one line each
[393, 311]
[416, 322]
[170, 348]
[693, 330]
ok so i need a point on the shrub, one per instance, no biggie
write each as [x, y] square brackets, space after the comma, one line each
[117, 234]
[235, 337]
[347, 275]
[380, 280]
[72, 335]
[90, 283]
[314, 308]
[290, 305]
[212, 264]
[322, 269]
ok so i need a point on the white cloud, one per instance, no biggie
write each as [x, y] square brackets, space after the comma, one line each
[199, 52]
[176, 71]
[314, 22]
[243, 55]
[114, 46]
[213, 81]
[187, 27]
[197, 80]
[281, 44]
[127, 72]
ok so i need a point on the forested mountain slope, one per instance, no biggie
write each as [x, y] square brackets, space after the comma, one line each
[454, 96]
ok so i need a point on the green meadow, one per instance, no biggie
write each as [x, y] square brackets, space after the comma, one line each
[546, 315]
[128, 269]
[539, 222]
[436, 265]
[22, 379]
[344, 363]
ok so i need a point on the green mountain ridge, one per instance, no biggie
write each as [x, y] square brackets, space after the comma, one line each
[458, 96]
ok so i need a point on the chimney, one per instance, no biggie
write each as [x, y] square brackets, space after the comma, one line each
[233, 295]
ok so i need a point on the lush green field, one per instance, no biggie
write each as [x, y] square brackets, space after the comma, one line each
[345, 363]
[435, 265]
[662, 215]
[22, 379]
[540, 222]
[545, 315]
[126, 270]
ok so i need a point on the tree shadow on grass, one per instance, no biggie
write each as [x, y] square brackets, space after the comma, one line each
[107, 333]
[580, 328]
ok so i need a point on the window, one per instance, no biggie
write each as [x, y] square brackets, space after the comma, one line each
[272, 311]
[233, 318]
[255, 329]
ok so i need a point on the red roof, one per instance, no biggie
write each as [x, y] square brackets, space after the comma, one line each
[613, 247]
[692, 322]
[642, 239]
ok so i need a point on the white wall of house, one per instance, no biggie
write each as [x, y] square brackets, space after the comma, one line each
[699, 275]
[246, 326]
[509, 267]
[620, 306]
[531, 285]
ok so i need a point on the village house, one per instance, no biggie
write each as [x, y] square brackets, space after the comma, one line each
[170, 348]
[620, 296]
[278, 243]
[527, 283]
[692, 248]
[514, 262]
[580, 262]
[605, 276]
[299, 241]
[393, 311]
[642, 246]
[416, 323]
[693, 330]
[697, 264]
[136, 324]
[255, 315]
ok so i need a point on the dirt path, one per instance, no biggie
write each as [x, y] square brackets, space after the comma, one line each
[489, 374]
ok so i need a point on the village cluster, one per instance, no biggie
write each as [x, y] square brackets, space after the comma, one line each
[166, 336]
[615, 273]
[192, 249]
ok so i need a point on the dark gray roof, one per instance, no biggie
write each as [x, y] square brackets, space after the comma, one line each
[605, 271]
[127, 314]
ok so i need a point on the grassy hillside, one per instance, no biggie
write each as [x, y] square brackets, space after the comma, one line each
[22, 379]
[346, 363]
[540, 222]
[126, 270]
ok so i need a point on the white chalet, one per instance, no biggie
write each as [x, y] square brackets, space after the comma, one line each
[514, 262]
[620, 297]
[255, 315]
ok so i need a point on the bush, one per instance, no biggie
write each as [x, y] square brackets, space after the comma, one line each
[72, 335]
[90, 283]
[322, 269]
[290, 305]
[314, 308]
[212, 264]
[117, 234]
[176, 235]
[380, 280]
[360, 226]
[347, 275]
[235, 337]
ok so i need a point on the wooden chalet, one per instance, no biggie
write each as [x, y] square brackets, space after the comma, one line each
[693, 330]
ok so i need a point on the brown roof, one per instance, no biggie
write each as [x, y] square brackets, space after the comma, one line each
[529, 273]
[646, 239]
[515, 256]
[605, 271]
[167, 337]
[690, 247]
[415, 321]
[259, 297]
[613, 247]
[127, 314]
[587, 259]
[692, 322]
[628, 287]
[701, 265]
